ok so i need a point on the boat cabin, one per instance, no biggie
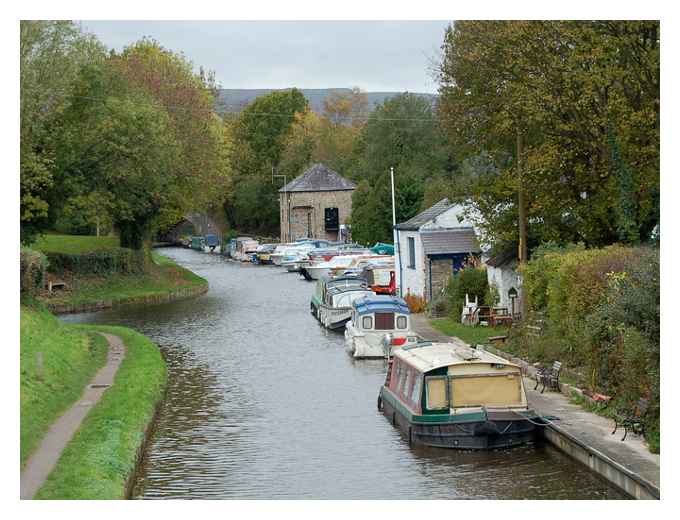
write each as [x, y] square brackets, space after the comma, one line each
[445, 378]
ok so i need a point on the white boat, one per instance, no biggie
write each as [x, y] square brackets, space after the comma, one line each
[335, 264]
[379, 323]
[332, 300]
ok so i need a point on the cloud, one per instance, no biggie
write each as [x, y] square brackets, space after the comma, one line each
[376, 56]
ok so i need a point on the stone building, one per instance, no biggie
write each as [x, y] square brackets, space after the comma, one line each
[431, 247]
[315, 204]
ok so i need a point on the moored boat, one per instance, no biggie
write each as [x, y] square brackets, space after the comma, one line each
[378, 324]
[326, 295]
[453, 396]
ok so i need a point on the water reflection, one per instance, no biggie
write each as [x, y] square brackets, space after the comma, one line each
[264, 403]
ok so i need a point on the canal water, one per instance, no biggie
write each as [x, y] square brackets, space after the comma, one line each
[265, 403]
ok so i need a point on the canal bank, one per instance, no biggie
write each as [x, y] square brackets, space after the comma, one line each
[263, 403]
[582, 435]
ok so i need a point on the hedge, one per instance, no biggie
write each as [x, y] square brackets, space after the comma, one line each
[601, 310]
[104, 262]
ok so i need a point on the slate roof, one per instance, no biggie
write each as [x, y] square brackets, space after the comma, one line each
[503, 257]
[444, 241]
[424, 217]
[319, 178]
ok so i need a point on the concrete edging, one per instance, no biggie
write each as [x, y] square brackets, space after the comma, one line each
[623, 478]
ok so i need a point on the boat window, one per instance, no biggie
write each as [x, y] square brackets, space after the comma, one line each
[400, 375]
[486, 390]
[367, 322]
[436, 393]
[401, 322]
[384, 321]
[415, 391]
[406, 383]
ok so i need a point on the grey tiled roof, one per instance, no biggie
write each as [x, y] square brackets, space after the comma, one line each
[504, 257]
[319, 178]
[459, 240]
[425, 216]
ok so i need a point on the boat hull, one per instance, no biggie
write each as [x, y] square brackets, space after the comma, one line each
[495, 431]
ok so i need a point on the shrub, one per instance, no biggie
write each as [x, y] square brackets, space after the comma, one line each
[416, 304]
[471, 281]
[32, 269]
[104, 262]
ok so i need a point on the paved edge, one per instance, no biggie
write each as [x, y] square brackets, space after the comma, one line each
[43, 460]
[651, 489]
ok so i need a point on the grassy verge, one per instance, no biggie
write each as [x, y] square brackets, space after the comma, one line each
[164, 277]
[100, 458]
[56, 362]
[468, 334]
[74, 244]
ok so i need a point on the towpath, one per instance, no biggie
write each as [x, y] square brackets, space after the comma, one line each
[43, 460]
[578, 428]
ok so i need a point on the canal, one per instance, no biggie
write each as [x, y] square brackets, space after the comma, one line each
[264, 403]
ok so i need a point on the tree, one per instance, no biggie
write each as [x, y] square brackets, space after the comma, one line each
[259, 139]
[51, 54]
[402, 133]
[559, 85]
[347, 108]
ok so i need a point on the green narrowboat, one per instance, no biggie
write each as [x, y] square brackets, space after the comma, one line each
[451, 395]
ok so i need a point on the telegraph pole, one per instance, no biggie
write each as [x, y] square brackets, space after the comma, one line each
[522, 253]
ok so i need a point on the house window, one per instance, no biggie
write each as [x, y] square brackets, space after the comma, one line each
[411, 253]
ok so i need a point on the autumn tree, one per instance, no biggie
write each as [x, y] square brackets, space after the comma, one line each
[346, 107]
[559, 86]
[259, 139]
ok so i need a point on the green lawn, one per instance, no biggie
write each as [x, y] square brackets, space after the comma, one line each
[70, 358]
[101, 456]
[470, 335]
[74, 244]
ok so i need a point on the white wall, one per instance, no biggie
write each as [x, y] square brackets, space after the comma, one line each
[410, 280]
[504, 278]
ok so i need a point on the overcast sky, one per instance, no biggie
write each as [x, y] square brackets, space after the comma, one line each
[376, 56]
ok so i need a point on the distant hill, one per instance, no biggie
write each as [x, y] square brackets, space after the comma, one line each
[234, 100]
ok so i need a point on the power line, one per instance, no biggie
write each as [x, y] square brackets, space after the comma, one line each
[365, 116]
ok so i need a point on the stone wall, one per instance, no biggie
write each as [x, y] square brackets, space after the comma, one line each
[302, 213]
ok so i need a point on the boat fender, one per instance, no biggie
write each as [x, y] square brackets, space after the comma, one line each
[410, 436]
[380, 403]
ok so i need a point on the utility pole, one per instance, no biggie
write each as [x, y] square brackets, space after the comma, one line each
[522, 253]
[287, 199]
[394, 211]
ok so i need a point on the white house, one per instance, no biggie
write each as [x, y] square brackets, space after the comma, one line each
[501, 271]
[431, 246]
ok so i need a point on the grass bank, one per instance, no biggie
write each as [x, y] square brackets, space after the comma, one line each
[56, 362]
[468, 334]
[102, 456]
[163, 278]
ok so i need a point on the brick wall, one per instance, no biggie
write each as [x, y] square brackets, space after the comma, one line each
[303, 212]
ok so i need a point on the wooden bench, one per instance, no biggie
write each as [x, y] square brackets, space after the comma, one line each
[497, 339]
[55, 285]
[631, 419]
[549, 377]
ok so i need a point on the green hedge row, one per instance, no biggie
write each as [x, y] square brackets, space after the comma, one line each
[105, 262]
[601, 310]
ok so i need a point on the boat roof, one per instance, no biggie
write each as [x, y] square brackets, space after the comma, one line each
[381, 303]
[337, 289]
[426, 356]
[345, 281]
